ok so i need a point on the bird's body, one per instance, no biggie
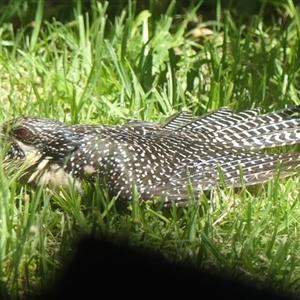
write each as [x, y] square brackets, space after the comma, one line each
[160, 159]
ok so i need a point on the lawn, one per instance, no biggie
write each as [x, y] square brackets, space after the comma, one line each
[139, 64]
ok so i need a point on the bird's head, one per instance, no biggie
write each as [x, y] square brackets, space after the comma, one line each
[48, 138]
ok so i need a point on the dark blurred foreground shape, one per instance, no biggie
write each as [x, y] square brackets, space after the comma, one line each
[102, 269]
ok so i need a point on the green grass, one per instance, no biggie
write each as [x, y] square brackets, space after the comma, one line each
[95, 69]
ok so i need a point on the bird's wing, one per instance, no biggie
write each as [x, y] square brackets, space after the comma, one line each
[237, 170]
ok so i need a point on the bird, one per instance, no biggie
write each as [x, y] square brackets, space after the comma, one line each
[168, 161]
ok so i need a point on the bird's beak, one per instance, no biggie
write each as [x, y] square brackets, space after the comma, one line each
[3, 139]
[3, 134]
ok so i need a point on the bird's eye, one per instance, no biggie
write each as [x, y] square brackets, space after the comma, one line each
[21, 133]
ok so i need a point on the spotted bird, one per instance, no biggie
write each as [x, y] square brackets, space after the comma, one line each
[162, 160]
